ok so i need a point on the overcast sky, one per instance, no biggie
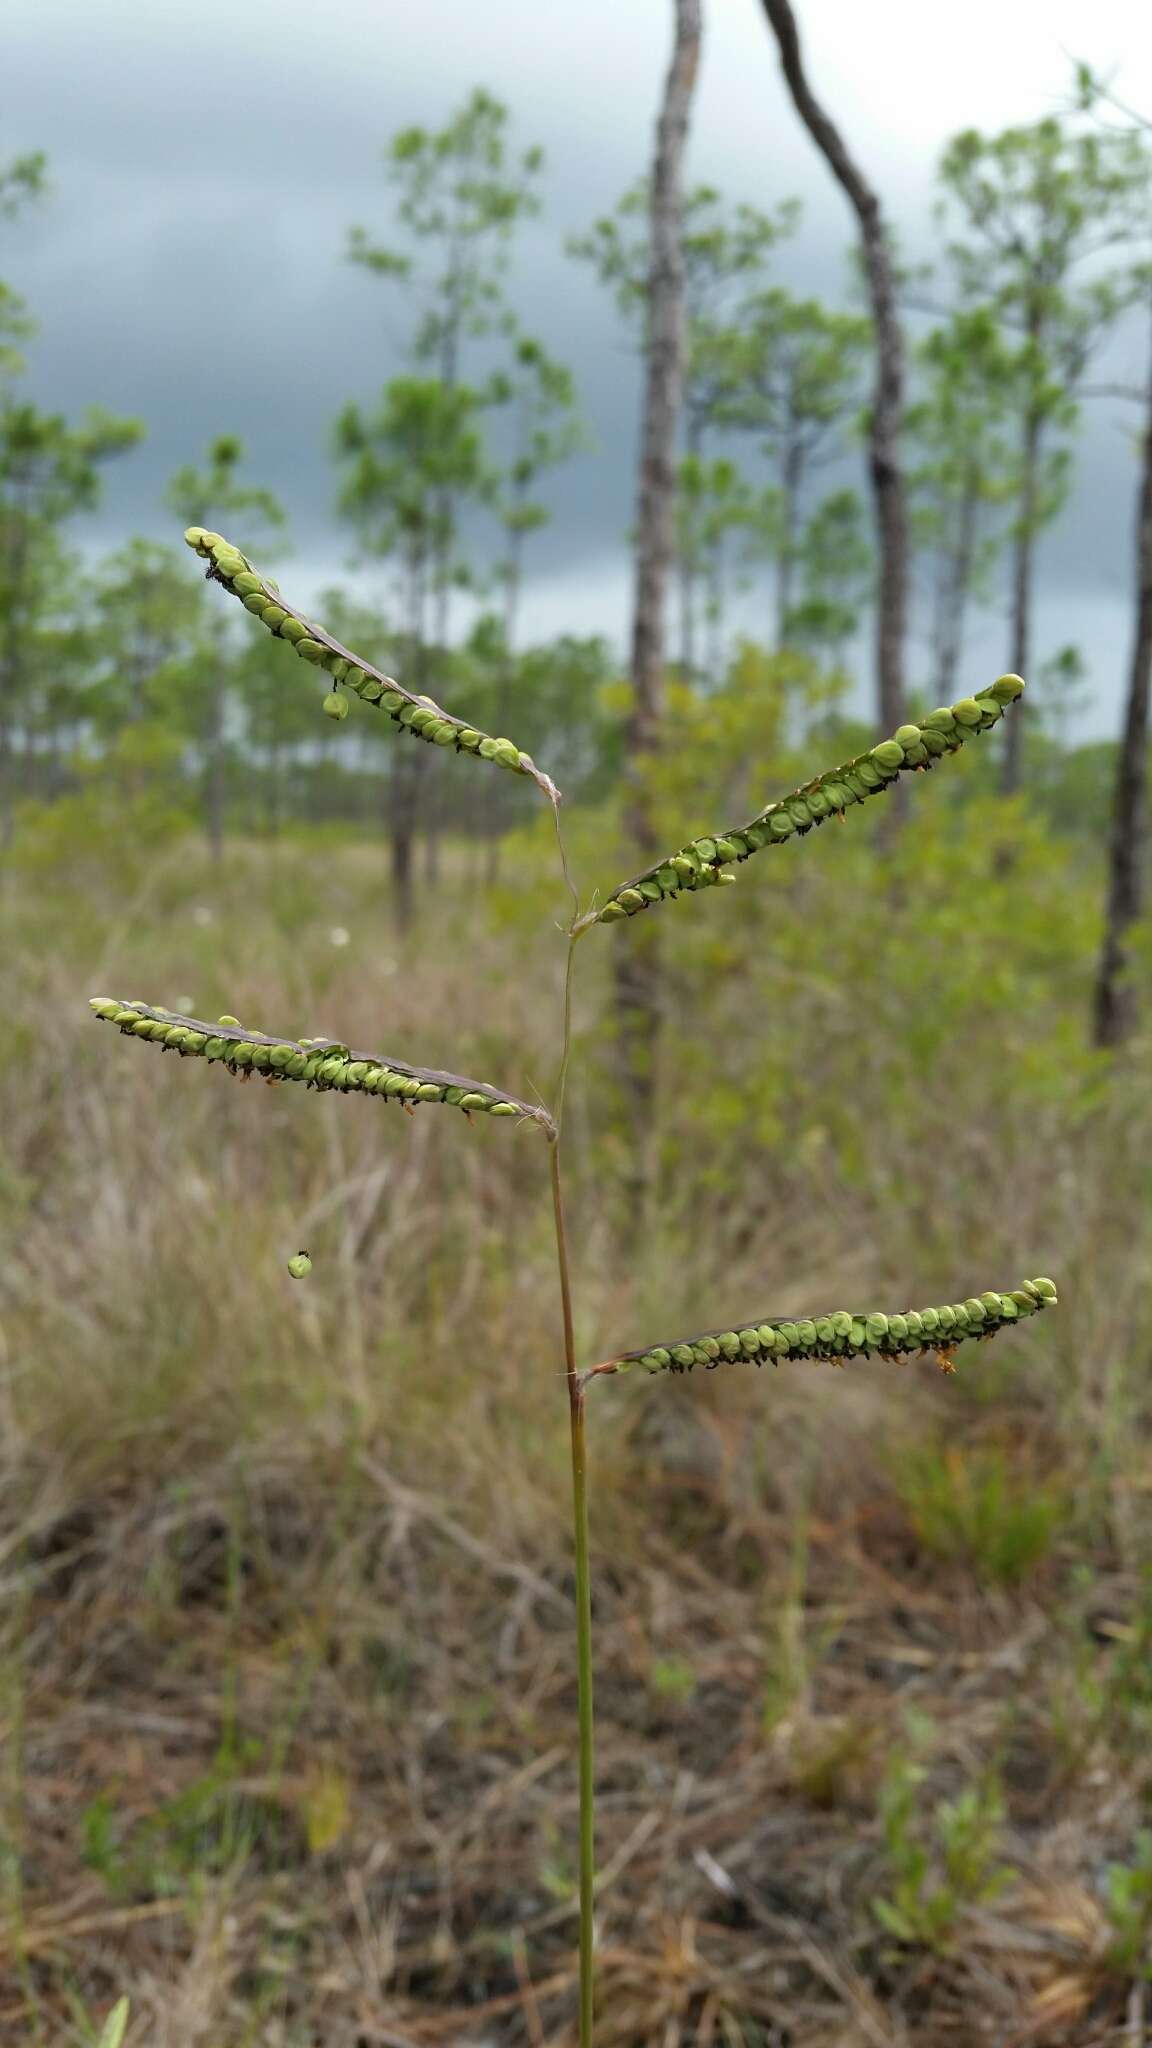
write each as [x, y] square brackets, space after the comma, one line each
[207, 161]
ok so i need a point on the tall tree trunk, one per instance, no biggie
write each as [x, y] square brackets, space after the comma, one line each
[637, 958]
[1023, 557]
[1115, 1004]
[887, 412]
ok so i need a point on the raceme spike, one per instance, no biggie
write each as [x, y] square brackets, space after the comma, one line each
[707, 861]
[323, 1063]
[417, 715]
[845, 1334]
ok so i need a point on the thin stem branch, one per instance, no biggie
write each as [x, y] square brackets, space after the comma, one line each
[575, 1383]
[583, 1606]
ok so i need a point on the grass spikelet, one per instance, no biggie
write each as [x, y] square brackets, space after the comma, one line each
[417, 715]
[322, 1063]
[704, 862]
[845, 1334]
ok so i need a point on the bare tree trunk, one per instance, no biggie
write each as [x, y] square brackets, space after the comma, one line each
[887, 412]
[637, 959]
[1115, 1003]
[1023, 556]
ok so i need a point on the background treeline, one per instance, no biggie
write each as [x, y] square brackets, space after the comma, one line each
[119, 673]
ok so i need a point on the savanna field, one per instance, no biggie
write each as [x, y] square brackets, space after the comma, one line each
[288, 1699]
[670, 405]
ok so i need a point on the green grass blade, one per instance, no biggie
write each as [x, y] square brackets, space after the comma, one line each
[115, 2025]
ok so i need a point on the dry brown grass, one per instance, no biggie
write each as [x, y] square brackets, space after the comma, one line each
[287, 1696]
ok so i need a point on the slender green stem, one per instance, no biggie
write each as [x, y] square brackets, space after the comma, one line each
[583, 1609]
[575, 1382]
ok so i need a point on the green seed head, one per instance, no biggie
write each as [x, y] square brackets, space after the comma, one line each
[300, 1265]
[335, 704]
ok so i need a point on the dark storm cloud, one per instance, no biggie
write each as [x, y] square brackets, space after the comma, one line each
[207, 163]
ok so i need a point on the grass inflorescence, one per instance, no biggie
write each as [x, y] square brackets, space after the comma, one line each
[421, 716]
[324, 1063]
[846, 1334]
[704, 863]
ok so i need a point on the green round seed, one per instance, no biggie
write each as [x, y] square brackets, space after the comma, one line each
[300, 1265]
[335, 704]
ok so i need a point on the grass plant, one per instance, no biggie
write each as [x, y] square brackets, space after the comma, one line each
[324, 1064]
